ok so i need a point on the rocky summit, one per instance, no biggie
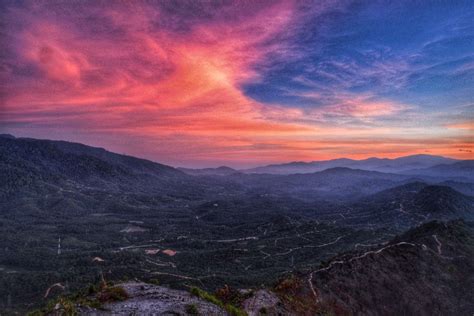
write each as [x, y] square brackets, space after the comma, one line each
[148, 299]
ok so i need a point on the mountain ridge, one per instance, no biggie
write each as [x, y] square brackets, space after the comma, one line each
[219, 171]
[410, 204]
[432, 259]
[306, 166]
[372, 163]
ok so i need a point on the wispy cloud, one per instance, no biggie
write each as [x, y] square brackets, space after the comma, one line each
[170, 79]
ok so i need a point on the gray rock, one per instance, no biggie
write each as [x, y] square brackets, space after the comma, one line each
[148, 299]
[264, 302]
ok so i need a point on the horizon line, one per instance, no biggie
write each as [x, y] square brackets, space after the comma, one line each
[177, 166]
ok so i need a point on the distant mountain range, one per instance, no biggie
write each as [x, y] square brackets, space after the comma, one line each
[461, 169]
[219, 171]
[415, 165]
[402, 164]
[336, 184]
[45, 164]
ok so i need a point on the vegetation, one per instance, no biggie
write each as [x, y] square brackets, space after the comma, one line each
[230, 295]
[191, 309]
[231, 309]
[93, 296]
[112, 294]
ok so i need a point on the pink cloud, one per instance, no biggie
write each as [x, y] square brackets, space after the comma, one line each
[362, 107]
[163, 92]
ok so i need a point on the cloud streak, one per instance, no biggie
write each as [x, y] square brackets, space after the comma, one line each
[165, 79]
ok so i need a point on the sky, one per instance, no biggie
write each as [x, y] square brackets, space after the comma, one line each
[241, 83]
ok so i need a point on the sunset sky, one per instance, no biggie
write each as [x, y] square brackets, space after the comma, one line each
[241, 83]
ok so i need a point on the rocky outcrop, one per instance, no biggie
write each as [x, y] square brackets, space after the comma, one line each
[264, 302]
[148, 299]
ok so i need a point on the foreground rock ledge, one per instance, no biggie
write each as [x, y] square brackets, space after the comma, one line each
[148, 299]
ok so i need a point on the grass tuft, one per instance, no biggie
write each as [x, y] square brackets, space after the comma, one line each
[231, 309]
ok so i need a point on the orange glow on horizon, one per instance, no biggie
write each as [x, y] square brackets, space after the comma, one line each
[161, 94]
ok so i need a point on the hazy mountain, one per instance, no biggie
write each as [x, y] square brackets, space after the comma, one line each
[334, 183]
[36, 168]
[301, 167]
[462, 169]
[219, 171]
[374, 164]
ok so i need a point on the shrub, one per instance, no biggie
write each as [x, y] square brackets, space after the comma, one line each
[154, 281]
[231, 309]
[235, 311]
[63, 306]
[232, 296]
[289, 284]
[191, 309]
[92, 289]
[112, 294]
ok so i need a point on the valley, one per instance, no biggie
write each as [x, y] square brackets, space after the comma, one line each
[126, 219]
